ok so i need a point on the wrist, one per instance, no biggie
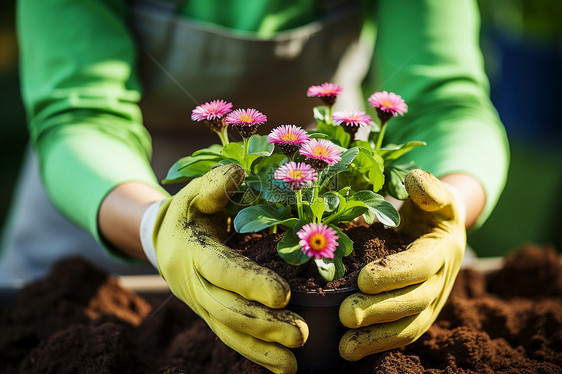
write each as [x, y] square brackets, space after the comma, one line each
[121, 213]
[469, 193]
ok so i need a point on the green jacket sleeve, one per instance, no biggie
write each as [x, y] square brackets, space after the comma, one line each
[428, 52]
[80, 92]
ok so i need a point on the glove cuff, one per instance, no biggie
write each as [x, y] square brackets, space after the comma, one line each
[147, 230]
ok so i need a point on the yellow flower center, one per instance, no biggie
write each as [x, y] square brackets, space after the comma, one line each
[289, 137]
[245, 118]
[295, 174]
[387, 103]
[320, 151]
[317, 242]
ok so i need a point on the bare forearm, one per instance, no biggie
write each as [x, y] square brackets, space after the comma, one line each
[472, 192]
[120, 215]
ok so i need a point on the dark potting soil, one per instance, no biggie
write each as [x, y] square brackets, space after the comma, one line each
[79, 320]
[369, 243]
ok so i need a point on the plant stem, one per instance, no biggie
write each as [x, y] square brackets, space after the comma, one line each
[244, 154]
[330, 112]
[246, 144]
[223, 136]
[298, 194]
[315, 189]
[380, 136]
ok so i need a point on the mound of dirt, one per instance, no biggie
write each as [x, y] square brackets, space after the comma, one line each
[78, 319]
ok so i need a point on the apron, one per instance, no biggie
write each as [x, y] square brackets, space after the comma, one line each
[181, 64]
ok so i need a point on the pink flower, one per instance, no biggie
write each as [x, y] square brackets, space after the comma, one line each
[325, 89]
[288, 134]
[352, 119]
[246, 117]
[288, 138]
[213, 110]
[388, 102]
[321, 150]
[318, 240]
[246, 121]
[296, 174]
[328, 92]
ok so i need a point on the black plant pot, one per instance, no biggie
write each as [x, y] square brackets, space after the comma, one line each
[321, 313]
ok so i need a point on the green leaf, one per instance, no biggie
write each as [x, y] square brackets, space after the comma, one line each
[318, 207]
[353, 209]
[187, 168]
[361, 144]
[344, 192]
[345, 244]
[264, 163]
[290, 222]
[321, 114]
[289, 248]
[395, 181]
[233, 151]
[326, 268]
[271, 189]
[376, 178]
[340, 269]
[258, 217]
[277, 191]
[370, 163]
[335, 133]
[213, 150]
[258, 145]
[331, 200]
[347, 211]
[391, 152]
[347, 158]
[378, 207]
[318, 135]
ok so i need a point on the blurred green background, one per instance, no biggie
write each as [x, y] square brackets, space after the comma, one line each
[522, 44]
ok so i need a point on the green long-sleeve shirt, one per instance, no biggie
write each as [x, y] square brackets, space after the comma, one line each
[81, 91]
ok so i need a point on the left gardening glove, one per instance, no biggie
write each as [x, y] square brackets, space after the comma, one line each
[401, 296]
[240, 300]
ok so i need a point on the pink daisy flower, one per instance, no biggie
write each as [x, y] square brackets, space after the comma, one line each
[352, 119]
[296, 174]
[320, 153]
[388, 104]
[318, 240]
[288, 138]
[288, 134]
[210, 111]
[328, 92]
[246, 121]
[246, 117]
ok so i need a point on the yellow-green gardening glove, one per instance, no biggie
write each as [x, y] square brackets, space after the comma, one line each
[402, 296]
[240, 300]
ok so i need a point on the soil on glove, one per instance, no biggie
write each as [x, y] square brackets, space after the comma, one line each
[370, 243]
[79, 320]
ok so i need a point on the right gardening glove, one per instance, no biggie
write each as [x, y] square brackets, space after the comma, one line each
[402, 295]
[240, 300]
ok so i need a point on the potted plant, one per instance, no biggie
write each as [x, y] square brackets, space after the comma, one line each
[306, 187]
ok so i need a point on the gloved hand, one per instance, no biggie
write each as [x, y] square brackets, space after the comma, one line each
[401, 298]
[240, 300]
